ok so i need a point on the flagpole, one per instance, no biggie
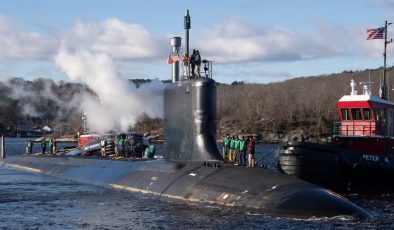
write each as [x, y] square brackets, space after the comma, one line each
[384, 87]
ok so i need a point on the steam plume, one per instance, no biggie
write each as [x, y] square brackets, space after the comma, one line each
[118, 103]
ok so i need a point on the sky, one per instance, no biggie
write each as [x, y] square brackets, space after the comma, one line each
[247, 40]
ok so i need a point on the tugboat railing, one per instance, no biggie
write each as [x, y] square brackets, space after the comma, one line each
[364, 128]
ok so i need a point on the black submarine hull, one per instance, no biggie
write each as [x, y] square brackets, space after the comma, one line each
[261, 189]
[192, 168]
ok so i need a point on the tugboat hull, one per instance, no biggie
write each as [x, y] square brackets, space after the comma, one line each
[336, 167]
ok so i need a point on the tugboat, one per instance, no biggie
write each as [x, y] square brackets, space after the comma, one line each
[361, 152]
[360, 156]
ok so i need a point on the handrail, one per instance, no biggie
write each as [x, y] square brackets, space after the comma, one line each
[355, 128]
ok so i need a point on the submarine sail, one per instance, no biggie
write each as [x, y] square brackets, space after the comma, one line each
[190, 121]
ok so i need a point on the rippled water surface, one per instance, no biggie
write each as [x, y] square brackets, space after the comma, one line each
[35, 201]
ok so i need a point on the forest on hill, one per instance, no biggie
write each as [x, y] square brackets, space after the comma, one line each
[304, 105]
[38, 103]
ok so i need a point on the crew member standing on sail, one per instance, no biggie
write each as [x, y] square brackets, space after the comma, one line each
[185, 60]
[193, 62]
[198, 63]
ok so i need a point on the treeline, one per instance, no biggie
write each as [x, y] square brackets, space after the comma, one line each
[304, 105]
[38, 103]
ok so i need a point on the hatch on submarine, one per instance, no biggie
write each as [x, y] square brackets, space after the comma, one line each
[184, 174]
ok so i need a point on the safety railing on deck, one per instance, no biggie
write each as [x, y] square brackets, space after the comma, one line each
[363, 128]
[204, 71]
[207, 68]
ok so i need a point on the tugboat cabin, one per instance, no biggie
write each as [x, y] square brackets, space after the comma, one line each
[366, 122]
[364, 115]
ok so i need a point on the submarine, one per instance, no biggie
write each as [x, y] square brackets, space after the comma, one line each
[192, 169]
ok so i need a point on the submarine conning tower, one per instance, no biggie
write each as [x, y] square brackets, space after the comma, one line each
[190, 117]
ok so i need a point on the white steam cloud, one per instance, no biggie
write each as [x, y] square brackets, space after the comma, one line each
[118, 103]
[88, 55]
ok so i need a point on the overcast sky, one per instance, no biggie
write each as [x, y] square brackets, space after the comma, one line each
[247, 40]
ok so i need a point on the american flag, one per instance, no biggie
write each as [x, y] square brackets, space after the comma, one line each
[172, 58]
[377, 33]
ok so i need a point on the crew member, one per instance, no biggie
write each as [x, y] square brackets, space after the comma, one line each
[29, 147]
[117, 138]
[132, 144]
[226, 145]
[103, 144]
[193, 62]
[149, 152]
[54, 145]
[242, 149]
[237, 152]
[43, 146]
[185, 59]
[250, 147]
[232, 150]
[198, 63]
[78, 135]
[50, 146]
[122, 145]
[128, 147]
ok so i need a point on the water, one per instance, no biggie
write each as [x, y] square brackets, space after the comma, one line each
[36, 201]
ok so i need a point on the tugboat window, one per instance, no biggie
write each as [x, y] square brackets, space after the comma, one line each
[367, 114]
[379, 114]
[356, 114]
[345, 114]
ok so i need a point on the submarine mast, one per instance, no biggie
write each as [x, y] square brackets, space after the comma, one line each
[186, 24]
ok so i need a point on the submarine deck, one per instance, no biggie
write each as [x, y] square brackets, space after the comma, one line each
[258, 188]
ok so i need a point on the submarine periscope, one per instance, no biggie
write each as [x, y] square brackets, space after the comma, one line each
[192, 168]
